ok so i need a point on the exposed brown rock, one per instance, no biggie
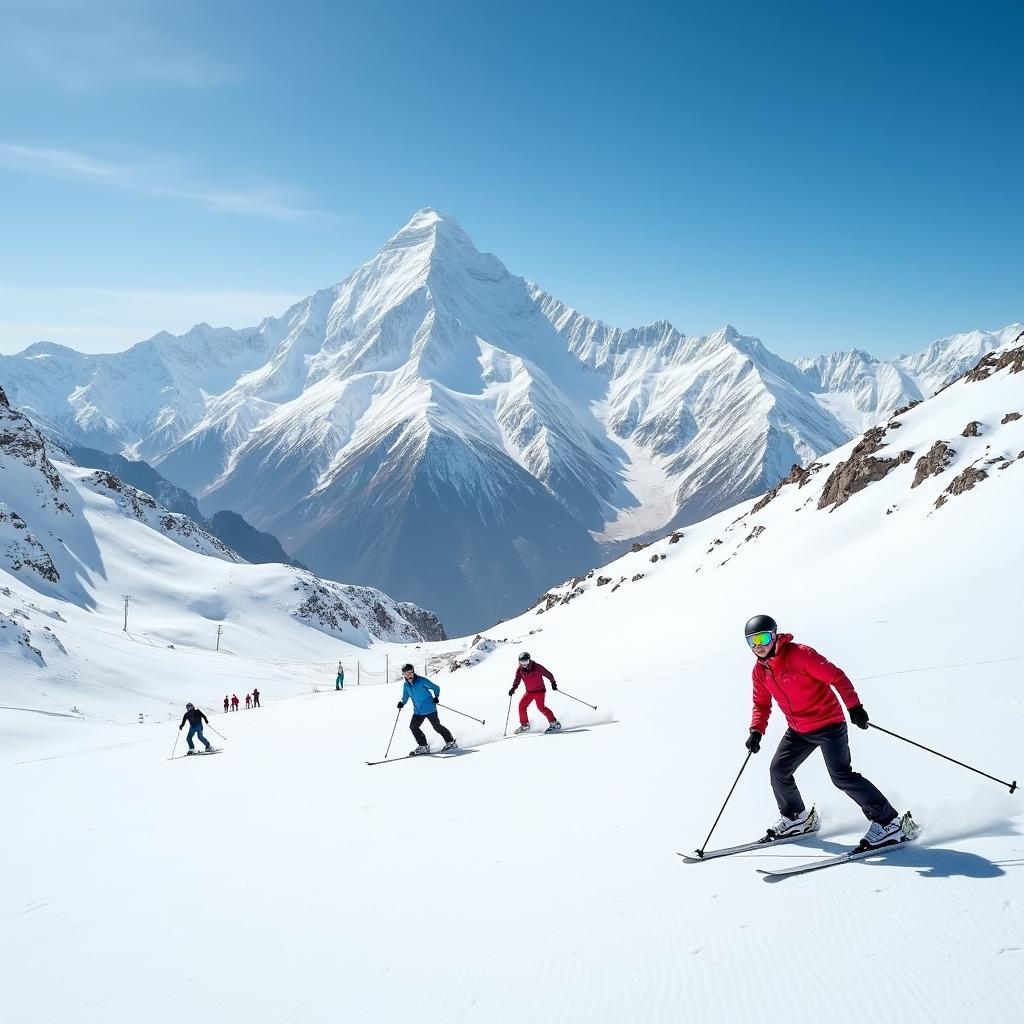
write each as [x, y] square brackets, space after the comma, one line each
[1010, 417]
[973, 429]
[637, 547]
[906, 408]
[755, 533]
[603, 581]
[859, 470]
[797, 475]
[676, 537]
[638, 576]
[993, 363]
[934, 462]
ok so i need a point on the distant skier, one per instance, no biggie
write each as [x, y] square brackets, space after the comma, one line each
[532, 675]
[248, 701]
[195, 719]
[424, 695]
[227, 703]
[339, 682]
[255, 697]
[234, 702]
[802, 681]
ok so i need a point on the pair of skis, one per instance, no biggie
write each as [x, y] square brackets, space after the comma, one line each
[911, 830]
[466, 750]
[195, 753]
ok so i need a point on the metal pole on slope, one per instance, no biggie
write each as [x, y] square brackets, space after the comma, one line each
[704, 845]
[571, 697]
[508, 713]
[479, 721]
[393, 728]
[177, 736]
[1012, 786]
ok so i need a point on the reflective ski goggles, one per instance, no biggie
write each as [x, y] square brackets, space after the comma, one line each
[524, 661]
[761, 639]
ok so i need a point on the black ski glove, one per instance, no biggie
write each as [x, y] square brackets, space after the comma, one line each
[753, 743]
[512, 691]
[554, 685]
[401, 704]
[859, 716]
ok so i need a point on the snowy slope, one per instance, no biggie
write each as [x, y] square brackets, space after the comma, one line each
[75, 541]
[432, 401]
[283, 880]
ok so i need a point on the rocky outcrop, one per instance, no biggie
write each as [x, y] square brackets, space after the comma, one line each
[934, 462]
[964, 481]
[1010, 417]
[1012, 359]
[333, 607]
[20, 552]
[797, 475]
[20, 440]
[973, 429]
[859, 470]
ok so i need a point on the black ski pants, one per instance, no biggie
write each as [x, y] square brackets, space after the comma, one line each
[834, 743]
[418, 720]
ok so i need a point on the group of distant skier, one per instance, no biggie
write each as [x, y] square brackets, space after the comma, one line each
[801, 681]
[252, 700]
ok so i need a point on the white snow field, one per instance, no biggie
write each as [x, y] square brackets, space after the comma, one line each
[536, 878]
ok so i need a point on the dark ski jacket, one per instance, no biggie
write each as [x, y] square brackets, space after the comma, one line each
[801, 682]
[195, 718]
[533, 677]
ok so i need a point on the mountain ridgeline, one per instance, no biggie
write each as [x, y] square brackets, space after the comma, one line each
[444, 430]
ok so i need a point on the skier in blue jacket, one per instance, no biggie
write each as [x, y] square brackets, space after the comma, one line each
[424, 696]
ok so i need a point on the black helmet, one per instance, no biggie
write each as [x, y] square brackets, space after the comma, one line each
[525, 656]
[190, 707]
[760, 624]
[408, 668]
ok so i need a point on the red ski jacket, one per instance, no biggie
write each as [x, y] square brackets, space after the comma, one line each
[801, 682]
[533, 677]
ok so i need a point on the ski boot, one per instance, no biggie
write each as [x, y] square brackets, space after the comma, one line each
[899, 830]
[802, 824]
[189, 753]
[554, 727]
[450, 746]
[421, 749]
[523, 728]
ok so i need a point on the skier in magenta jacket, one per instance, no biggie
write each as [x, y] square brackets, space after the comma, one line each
[802, 682]
[532, 675]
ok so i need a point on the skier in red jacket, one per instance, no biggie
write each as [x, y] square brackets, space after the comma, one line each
[532, 675]
[801, 681]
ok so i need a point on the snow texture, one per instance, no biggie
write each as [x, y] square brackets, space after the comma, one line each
[535, 877]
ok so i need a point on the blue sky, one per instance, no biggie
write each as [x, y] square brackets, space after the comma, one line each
[821, 175]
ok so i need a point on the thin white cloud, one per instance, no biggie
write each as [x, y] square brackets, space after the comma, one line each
[103, 319]
[274, 202]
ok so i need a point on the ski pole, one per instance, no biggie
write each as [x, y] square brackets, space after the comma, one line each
[1011, 785]
[508, 714]
[393, 728]
[481, 721]
[175, 747]
[571, 697]
[220, 734]
[700, 852]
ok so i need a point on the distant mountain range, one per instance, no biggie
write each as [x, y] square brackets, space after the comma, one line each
[449, 432]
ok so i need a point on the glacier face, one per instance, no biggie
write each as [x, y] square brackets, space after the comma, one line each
[442, 429]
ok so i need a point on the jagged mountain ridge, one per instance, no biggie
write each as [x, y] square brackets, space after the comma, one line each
[448, 431]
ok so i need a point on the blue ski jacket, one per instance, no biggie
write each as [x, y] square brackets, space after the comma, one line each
[424, 695]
